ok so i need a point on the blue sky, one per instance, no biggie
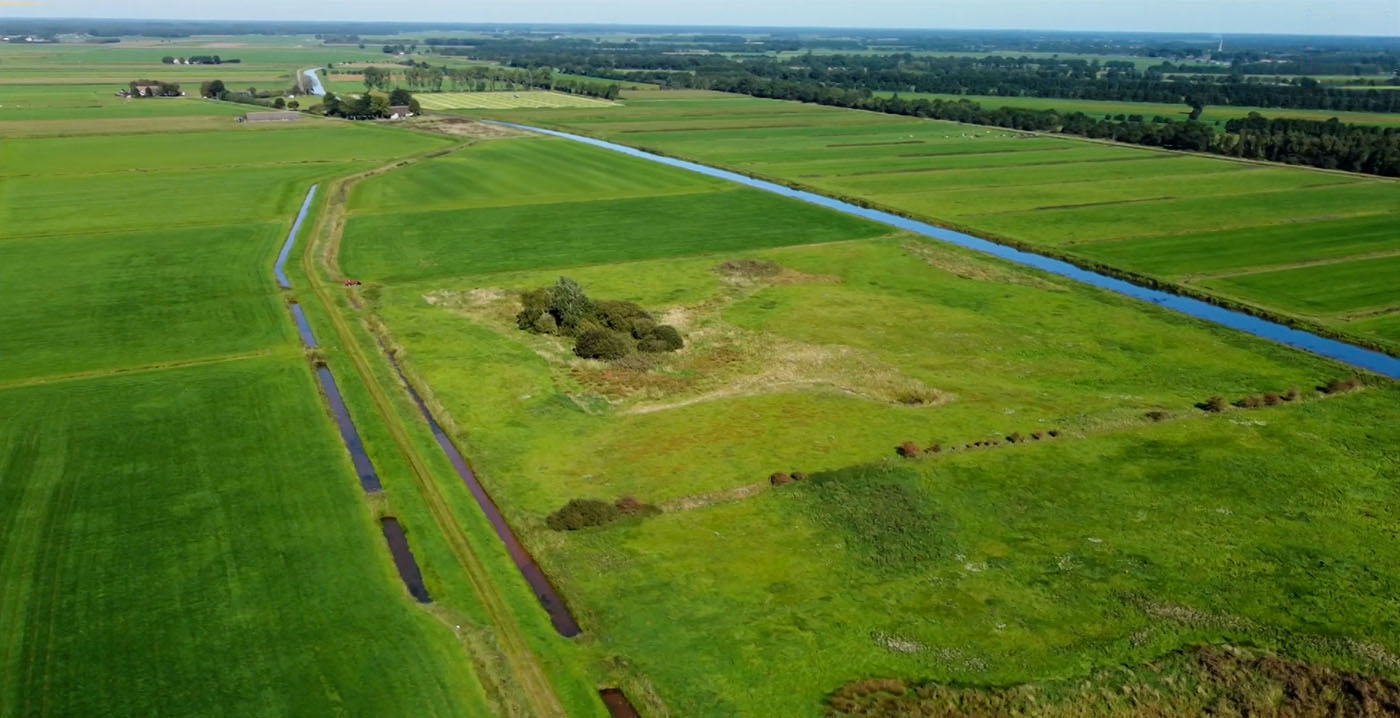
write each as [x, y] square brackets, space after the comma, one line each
[1348, 17]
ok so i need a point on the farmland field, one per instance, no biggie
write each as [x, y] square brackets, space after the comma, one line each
[181, 529]
[866, 457]
[822, 348]
[506, 100]
[1125, 206]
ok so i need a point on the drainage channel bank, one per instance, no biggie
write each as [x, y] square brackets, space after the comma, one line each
[1273, 331]
[364, 468]
[559, 614]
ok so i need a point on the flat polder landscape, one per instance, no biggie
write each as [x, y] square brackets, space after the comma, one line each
[327, 409]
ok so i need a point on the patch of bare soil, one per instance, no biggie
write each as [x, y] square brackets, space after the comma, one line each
[1203, 680]
[719, 361]
[460, 127]
[979, 270]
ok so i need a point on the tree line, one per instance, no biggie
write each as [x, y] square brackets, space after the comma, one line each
[483, 78]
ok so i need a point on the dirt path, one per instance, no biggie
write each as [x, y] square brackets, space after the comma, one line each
[319, 262]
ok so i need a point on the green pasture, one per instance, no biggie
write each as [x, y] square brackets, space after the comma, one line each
[1178, 255]
[1332, 288]
[44, 206]
[441, 243]
[99, 102]
[90, 303]
[194, 542]
[1126, 206]
[524, 171]
[1144, 218]
[776, 584]
[1029, 563]
[237, 146]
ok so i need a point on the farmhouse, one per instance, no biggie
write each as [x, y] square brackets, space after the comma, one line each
[399, 112]
[270, 117]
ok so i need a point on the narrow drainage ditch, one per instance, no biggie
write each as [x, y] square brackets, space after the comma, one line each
[303, 327]
[559, 614]
[403, 559]
[617, 703]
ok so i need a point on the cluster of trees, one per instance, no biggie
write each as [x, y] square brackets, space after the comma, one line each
[199, 60]
[217, 90]
[152, 88]
[604, 329]
[484, 78]
[370, 105]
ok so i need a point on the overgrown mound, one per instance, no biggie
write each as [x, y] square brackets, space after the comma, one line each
[1205, 680]
[584, 513]
[604, 329]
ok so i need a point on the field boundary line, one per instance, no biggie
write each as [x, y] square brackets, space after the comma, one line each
[1266, 268]
[140, 369]
[525, 666]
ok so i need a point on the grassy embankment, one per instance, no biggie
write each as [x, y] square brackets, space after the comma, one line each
[1114, 206]
[1119, 540]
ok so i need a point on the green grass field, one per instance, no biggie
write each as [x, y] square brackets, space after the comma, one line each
[180, 528]
[152, 562]
[1119, 541]
[181, 531]
[1126, 206]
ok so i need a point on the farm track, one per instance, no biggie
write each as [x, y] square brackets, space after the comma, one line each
[319, 256]
[141, 369]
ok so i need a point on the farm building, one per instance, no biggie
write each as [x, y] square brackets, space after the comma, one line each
[270, 117]
[399, 112]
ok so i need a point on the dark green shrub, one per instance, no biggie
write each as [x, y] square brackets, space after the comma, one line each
[908, 450]
[661, 338]
[1272, 400]
[622, 316]
[1250, 402]
[934, 448]
[799, 476]
[582, 513]
[778, 478]
[1015, 437]
[602, 344]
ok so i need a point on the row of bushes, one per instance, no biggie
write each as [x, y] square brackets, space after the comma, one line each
[584, 513]
[604, 329]
[910, 450]
[1217, 404]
